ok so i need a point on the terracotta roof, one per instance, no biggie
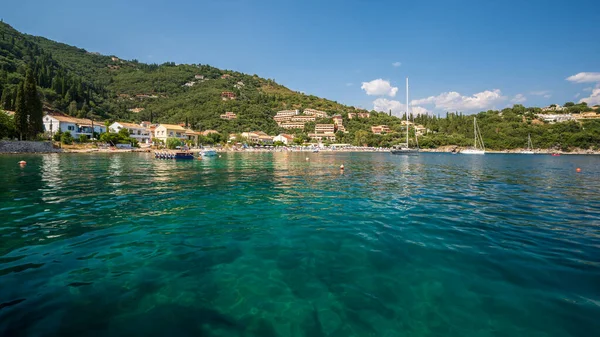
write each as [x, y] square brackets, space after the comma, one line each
[131, 125]
[287, 136]
[173, 127]
[69, 119]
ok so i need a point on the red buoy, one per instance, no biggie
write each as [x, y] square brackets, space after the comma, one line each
[22, 163]
[578, 170]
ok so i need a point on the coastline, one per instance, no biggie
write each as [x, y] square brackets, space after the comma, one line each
[444, 149]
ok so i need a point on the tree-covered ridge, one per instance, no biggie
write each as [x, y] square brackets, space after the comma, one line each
[91, 85]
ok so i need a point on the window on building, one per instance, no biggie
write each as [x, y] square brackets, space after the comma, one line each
[71, 128]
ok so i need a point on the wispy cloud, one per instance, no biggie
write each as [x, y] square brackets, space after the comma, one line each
[547, 96]
[577, 95]
[540, 93]
[396, 64]
[519, 98]
[379, 87]
[453, 100]
[584, 77]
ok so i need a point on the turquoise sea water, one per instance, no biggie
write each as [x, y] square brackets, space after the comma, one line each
[275, 245]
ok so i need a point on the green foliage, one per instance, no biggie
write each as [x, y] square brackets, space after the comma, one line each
[7, 126]
[57, 136]
[172, 143]
[122, 137]
[83, 139]
[66, 138]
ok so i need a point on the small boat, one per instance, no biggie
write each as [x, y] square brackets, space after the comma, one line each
[555, 154]
[183, 155]
[478, 146]
[208, 153]
[529, 146]
[173, 155]
[315, 150]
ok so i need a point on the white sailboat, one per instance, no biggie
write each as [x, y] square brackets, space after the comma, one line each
[478, 147]
[403, 148]
[529, 146]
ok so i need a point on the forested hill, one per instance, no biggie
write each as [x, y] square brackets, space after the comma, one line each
[88, 84]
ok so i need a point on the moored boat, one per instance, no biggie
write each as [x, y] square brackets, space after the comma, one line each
[177, 155]
[208, 153]
[478, 146]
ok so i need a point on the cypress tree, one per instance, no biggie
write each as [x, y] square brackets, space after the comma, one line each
[33, 106]
[20, 117]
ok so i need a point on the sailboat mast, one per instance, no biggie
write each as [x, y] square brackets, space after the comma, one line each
[475, 130]
[407, 112]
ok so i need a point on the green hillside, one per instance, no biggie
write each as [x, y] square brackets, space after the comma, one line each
[85, 84]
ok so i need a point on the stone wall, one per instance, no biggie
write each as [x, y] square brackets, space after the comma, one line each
[7, 146]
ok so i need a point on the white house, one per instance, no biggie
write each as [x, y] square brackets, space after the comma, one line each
[138, 132]
[76, 126]
[284, 138]
[164, 131]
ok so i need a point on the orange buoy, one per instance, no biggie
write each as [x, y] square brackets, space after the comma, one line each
[578, 170]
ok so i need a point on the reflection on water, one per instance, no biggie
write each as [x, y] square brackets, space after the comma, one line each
[273, 244]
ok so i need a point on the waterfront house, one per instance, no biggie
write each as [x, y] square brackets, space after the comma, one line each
[76, 126]
[284, 138]
[164, 131]
[137, 132]
[329, 136]
[199, 77]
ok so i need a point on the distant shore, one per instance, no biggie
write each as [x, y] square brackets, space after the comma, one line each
[32, 148]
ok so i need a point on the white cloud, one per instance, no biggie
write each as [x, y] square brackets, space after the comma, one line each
[379, 87]
[349, 84]
[455, 101]
[396, 64]
[519, 98]
[588, 89]
[540, 93]
[385, 105]
[584, 77]
[577, 95]
[594, 98]
[547, 96]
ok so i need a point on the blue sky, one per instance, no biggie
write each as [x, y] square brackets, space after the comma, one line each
[460, 55]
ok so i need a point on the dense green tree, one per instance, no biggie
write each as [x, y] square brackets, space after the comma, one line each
[33, 106]
[7, 100]
[21, 112]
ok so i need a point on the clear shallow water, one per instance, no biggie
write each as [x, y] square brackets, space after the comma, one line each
[273, 245]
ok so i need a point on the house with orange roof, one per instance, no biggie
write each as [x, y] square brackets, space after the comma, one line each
[138, 132]
[164, 131]
[76, 126]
